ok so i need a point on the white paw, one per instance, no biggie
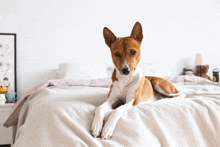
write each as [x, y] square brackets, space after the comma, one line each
[107, 130]
[97, 126]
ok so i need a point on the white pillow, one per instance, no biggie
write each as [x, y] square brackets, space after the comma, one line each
[185, 78]
[149, 69]
[81, 71]
[109, 71]
[156, 69]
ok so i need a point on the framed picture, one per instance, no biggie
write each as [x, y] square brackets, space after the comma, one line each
[8, 80]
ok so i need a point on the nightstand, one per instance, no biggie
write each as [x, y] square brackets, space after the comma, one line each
[6, 134]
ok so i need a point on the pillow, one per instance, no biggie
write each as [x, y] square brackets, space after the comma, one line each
[149, 69]
[185, 78]
[109, 71]
[81, 71]
[156, 69]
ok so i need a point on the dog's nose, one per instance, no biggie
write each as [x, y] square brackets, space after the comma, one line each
[125, 71]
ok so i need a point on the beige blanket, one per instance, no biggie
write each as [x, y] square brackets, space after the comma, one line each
[13, 117]
[62, 116]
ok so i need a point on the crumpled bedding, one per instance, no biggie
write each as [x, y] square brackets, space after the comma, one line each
[13, 117]
[62, 116]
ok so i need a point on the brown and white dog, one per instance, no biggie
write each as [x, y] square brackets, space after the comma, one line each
[129, 84]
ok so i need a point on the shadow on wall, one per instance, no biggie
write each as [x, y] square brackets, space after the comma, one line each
[33, 79]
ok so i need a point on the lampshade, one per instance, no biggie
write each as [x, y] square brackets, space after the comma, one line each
[200, 60]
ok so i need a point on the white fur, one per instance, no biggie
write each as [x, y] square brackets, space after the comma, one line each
[113, 119]
[123, 89]
[160, 90]
[126, 85]
[125, 65]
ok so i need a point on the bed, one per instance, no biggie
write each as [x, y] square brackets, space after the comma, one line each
[60, 113]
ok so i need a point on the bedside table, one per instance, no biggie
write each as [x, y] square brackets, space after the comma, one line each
[6, 134]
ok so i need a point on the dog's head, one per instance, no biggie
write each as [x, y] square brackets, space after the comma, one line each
[126, 51]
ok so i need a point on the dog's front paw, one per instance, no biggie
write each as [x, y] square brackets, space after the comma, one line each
[97, 127]
[107, 130]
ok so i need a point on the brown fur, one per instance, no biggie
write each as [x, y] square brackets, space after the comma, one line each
[123, 47]
[144, 92]
[164, 84]
[114, 78]
[204, 70]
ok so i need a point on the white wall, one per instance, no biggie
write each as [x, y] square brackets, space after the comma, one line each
[54, 31]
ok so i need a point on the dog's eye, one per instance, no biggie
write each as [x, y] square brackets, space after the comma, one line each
[132, 52]
[117, 54]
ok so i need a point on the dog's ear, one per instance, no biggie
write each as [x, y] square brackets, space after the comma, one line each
[207, 66]
[137, 32]
[110, 38]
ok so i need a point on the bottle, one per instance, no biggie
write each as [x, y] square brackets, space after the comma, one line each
[215, 75]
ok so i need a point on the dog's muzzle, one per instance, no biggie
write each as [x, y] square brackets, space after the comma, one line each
[125, 71]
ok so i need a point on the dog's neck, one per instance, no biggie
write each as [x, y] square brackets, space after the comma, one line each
[127, 79]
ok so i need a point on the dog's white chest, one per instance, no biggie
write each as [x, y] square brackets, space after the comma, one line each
[126, 86]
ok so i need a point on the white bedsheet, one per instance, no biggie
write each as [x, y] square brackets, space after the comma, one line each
[62, 116]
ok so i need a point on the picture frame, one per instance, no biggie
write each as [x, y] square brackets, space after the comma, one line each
[8, 63]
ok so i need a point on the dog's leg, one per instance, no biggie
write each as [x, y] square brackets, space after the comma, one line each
[101, 113]
[113, 119]
[163, 86]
